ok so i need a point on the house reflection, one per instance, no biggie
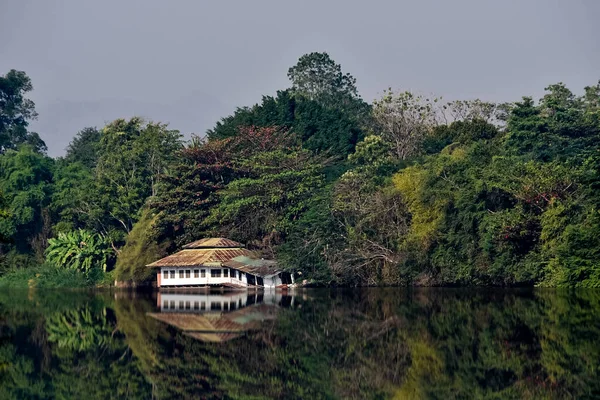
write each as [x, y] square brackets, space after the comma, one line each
[218, 317]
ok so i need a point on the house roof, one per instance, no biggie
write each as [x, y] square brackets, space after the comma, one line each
[253, 265]
[207, 251]
[208, 243]
[197, 257]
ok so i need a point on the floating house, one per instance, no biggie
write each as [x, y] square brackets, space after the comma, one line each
[219, 317]
[218, 262]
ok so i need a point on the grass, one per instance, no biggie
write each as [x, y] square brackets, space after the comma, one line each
[49, 276]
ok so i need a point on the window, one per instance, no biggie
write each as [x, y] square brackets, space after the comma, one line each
[215, 306]
[181, 305]
[196, 273]
[232, 305]
[215, 273]
[226, 306]
[180, 274]
[166, 304]
[203, 305]
[187, 305]
[232, 273]
[172, 274]
[203, 273]
[172, 305]
[240, 275]
[188, 274]
[226, 273]
[166, 274]
[196, 305]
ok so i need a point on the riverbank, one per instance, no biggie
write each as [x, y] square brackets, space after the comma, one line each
[47, 276]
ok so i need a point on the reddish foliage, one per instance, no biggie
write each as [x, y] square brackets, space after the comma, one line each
[252, 139]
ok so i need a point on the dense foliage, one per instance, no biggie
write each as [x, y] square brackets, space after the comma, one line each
[410, 189]
[79, 250]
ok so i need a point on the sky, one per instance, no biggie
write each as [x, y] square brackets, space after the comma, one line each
[191, 62]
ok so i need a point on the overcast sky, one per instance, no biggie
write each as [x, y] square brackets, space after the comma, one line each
[191, 62]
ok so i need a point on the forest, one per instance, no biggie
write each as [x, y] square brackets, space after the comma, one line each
[410, 189]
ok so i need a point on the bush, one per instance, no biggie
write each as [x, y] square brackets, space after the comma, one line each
[48, 276]
[140, 250]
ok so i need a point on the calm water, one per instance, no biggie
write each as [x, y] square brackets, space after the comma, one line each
[362, 344]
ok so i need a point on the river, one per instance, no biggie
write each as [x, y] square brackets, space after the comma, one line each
[308, 344]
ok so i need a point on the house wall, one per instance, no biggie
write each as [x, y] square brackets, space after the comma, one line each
[208, 279]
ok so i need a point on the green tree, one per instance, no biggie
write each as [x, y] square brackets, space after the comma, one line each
[275, 189]
[73, 201]
[320, 129]
[142, 247]
[16, 111]
[188, 191]
[133, 155]
[317, 77]
[4, 215]
[26, 181]
[84, 147]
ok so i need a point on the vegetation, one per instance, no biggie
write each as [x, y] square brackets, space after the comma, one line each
[408, 190]
[79, 250]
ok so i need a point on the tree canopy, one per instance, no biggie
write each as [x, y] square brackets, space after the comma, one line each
[16, 111]
[408, 190]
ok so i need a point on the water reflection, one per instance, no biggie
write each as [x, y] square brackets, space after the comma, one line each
[219, 317]
[315, 344]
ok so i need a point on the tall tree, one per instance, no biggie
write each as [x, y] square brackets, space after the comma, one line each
[275, 190]
[16, 111]
[404, 120]
[133, 156]
[74, 202]
[26, 181]
[203, 168]
[84, 147]
[320, 128]
[318, 77]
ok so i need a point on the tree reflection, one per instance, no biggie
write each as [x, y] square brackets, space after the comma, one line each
[433, 344]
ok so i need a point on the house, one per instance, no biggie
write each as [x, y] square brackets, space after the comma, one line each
[219, 317]
[218, 262]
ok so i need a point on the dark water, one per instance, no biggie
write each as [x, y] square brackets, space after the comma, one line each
[362, 344]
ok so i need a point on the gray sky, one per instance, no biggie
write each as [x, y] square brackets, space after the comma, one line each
[191, 62]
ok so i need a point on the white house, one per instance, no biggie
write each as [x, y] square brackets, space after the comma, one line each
[218, 262]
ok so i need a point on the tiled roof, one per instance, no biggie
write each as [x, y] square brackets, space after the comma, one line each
[253, 265]
[208, 243]
[197, 257]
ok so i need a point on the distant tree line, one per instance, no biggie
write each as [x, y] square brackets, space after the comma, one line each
[407, 190]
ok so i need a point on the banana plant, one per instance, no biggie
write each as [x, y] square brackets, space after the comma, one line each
[80, 250]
